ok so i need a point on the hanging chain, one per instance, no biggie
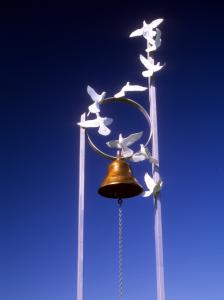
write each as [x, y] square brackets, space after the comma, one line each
[120, 250]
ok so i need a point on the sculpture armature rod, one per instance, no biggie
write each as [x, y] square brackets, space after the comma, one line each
[80, 254]
[157, 203]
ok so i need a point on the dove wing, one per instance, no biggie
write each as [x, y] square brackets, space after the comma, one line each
[119, 94]
[146, 194]
[107, 121]
[145, 61]
[138, 156]
[94, 108]
[149, 182]
[114, 144]
[158, 43]
[104, 130]
[101, 97]
[157, 67]
[156, 23]
[132, 138]
[137, 32]
[158, 34]
[89, 123]
[150, 157]
[95, 97]
[132, 88]
[126, 152]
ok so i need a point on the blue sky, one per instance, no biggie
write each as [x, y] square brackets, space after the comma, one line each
[50, 52]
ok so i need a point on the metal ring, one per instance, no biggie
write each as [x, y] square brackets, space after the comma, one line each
[135, 105]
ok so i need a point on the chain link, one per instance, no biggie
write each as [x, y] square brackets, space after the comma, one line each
[120, 250]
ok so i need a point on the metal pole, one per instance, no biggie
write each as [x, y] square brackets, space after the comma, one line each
[81, 212]
[157, 202]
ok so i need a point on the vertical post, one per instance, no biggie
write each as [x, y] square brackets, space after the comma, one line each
[157, 203]
[81, 212]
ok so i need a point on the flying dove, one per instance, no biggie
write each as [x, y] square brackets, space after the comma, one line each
[144, 154]
[147, 30]
[153, 187]
[97, 98]
[156, 43]
[100, 122]
[123, 143]
[129, 88]
[150, 66]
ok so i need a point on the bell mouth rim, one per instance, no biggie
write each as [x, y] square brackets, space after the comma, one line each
[124, 190]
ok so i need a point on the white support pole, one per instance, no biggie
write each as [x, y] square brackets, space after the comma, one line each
[157, 203]
[81, 212]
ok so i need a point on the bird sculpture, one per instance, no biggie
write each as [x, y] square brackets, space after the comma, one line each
[153, 187]
[97, 98]
[129, 88]
[155, 43]
[123, 143]
[144, 154]
[150, 66]
[147, 30]
[100, 122]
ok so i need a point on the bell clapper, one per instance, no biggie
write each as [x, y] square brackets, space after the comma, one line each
[120, 249]
[120, 201]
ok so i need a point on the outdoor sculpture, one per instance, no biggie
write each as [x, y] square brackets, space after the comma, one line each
[97, 98]
[153, 187]
[150, 66]
[155, 44]
[147, 30]
[129, 88]
[123, 143]
[100, 122]
[119, 182]
[144, 154]
[153, 36]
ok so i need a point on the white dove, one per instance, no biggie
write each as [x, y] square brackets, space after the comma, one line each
[150, 66]
[144, 154]
[100, 122]
[97, 98]
[156, 43]
[123, 143]
[129, 88]
[147, 30]
[153, 187]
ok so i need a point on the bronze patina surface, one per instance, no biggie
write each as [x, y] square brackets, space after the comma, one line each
[119, 182]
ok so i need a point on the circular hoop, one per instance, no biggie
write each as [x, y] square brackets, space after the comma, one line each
[135, 105]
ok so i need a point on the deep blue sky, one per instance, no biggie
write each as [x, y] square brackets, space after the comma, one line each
[49, 53]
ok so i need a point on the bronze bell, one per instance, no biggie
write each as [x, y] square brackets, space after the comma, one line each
[119, 182]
